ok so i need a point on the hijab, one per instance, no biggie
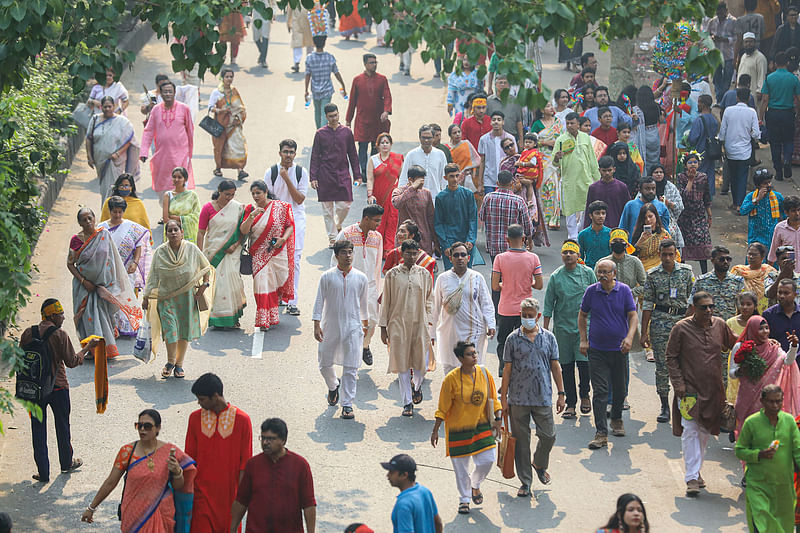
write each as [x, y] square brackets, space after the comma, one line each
[625, 171]
[765, 349]
[661, 186]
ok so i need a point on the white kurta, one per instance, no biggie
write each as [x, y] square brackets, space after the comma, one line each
[367, 257]
[340, 307]
[470, 323]
[433, 163]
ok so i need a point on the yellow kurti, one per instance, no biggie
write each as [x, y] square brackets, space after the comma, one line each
[406, 314]
[462, 406]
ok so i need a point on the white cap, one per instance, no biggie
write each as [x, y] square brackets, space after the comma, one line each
[749, 35]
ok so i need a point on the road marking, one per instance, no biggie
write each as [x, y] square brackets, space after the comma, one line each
[258, 344]
[289, 103]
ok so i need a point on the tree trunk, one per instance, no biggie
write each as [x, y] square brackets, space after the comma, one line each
[621, 72]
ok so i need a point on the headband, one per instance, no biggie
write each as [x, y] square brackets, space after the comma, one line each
[54, 308]
[692, 154]
[619, 233]
[571, 247]
[478, 101]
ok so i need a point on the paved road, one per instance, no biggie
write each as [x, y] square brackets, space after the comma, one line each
[284, 380]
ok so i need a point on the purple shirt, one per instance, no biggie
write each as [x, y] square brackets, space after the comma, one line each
[615, 194]
[332, 158]
[608, 326]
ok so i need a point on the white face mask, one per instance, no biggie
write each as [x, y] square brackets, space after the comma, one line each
[528, 323]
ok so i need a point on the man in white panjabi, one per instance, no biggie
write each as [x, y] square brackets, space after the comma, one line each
[405, 314]
[367, 257]
[289, 183]
[462, 310]
[340, 321]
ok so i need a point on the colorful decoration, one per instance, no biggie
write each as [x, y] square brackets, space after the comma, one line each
[627, 102]
[669, 56]
[683, 106]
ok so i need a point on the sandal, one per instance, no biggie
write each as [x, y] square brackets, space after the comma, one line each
[569, 414]
[463, 508]
[76, 464]
[586, 408]
[167, 370]
[179, 373]
[218, 172]
[524, 492]
[651, 358]
[542, 474]
[408, 410]
[416, 395]
[477, 499]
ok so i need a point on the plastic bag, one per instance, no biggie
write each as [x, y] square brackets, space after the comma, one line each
[142, 349]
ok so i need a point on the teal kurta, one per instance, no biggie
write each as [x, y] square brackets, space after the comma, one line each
[770, 493]
[562, 301]
[455, 217]
[578, 170]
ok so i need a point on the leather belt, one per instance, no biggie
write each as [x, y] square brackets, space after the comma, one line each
[671, 310]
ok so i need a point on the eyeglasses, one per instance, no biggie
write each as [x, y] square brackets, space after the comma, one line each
[147, 426]
[706, 307]
[460, 254]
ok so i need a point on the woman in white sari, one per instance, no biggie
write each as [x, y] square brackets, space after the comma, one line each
[230, 148]
[221, 241]
[111, 147]
[270, 225]
[133, 244]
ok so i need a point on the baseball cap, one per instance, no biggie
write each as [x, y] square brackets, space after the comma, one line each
[748, 35]
[401, 463]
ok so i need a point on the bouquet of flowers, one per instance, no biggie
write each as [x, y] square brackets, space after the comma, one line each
[753, 365]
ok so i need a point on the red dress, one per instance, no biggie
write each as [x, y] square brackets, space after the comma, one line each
[221, 444]
[387, 174]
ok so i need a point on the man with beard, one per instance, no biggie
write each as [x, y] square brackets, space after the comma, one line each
[647, 195]
[753, 63]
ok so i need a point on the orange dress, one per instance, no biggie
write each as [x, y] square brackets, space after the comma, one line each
[352, 23]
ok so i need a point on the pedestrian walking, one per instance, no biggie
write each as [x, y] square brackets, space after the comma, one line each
[319, 67]
[415, 509]
[455, 216]
[370, 104]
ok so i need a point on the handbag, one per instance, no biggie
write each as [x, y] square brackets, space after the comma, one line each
[246, 262]
[506, 449]
[142, 350]
[82, 114]
[125, 481]
[212, 125]
[727, 420]
[713, 145]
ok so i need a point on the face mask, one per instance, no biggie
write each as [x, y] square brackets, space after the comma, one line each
[124, 192]
[528, 323]
[618, 247]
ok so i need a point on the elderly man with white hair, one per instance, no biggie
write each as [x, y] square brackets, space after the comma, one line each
[531, 357]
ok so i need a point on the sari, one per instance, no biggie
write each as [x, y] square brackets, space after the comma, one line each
[781, 370]
[230, 148]
[754, 281]
[273, 269]
[128, 236]
[222, 233]
[173, 278]
[648, 252]
[386, 175]
[135, 212]
[148, 502]
[551, 181]
[352, 23]
[107, 136]
[466, 157]
[232, 28]
[186, 205]
[98, 261]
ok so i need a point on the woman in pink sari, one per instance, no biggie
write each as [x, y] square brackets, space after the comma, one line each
[159, 478]
[270, 225]
[781, 370]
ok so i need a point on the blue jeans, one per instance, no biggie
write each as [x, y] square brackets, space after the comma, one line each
[739, 170]
[487, 189]
[707, 168]
[722, 78]
[319, 111]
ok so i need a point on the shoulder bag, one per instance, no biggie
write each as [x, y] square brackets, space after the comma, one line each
[246, 262]
[713, 145]
[212, 125]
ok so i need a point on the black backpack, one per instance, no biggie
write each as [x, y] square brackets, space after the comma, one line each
[36, 379]
[298, 173]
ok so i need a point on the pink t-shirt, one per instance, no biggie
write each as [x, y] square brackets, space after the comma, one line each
[517, 269]
[206, 214]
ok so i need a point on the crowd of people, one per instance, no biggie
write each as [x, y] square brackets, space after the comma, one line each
[724, 342]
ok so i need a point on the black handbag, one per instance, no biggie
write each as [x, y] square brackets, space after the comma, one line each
[246, 262]
[713, 146]
[125, 482]
[212, 126]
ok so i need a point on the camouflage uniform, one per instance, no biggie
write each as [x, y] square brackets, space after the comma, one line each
[669, 290]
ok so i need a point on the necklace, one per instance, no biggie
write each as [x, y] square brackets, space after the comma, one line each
[475, 397]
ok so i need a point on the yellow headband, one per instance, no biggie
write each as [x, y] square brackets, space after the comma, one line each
[620, 233]
[478, 101]
[54, 308]
[571, 247]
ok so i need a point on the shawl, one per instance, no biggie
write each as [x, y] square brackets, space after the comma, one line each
[174, 273]
[465, 155]
[754, 279]
[187, 206]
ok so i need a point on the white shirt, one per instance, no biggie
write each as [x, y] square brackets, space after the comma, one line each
[433, 163]
[489, 148]
[739, 125]
[340, 306]
[472, 320]
[281, 190]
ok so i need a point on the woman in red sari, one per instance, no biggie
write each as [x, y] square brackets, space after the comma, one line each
[408, 230]
[157, 475]
[383, 174]
[270, 225]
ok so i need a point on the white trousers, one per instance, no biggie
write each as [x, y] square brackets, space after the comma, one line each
[464, 480]
[297, 53]
[333, 227]
[404, 378]
[694, 441]
[347, 392]
[297, 255]
[299, 242]
[405, 58]
[574, 224]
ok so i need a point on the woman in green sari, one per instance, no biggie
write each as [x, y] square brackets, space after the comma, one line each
[182, 281]
[182, 205]
[221, 241]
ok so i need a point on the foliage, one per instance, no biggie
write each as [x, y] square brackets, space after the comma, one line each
[31, 122]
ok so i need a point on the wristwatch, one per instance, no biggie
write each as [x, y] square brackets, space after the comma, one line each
[562, 393]
[498, 418]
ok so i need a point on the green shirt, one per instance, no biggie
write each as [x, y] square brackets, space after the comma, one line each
[594, 244]
[781, 86]
[578, 170]
[630, 271]
[756, 435]
[668, 288]
[563, 296]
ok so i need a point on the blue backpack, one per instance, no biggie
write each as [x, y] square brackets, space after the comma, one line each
[36, 379]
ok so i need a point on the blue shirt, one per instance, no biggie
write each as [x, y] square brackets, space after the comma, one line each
[780, 324]
[530, 382]
[617, 114]
[594, 245]
[761, 225]
[414, 511]
[631, 212]
[685, 120]
[781, 86]
[609, 315]
[321, 65]
[729, 100]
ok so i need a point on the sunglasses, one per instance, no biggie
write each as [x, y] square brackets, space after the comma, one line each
[706, 307]
[460, 254]
[507, 147]
[727, 259]
[147, 426]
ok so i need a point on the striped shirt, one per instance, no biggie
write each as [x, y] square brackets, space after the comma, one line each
[321, 65]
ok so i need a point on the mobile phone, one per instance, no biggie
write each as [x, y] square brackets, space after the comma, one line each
[648, 228]
[790, 255]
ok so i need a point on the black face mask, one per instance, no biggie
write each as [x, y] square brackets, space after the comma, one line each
[618, 247]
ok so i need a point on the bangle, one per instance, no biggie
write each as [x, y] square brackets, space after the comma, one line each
[90, 508]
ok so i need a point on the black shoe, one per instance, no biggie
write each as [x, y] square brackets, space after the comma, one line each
[664, 415]
[41, 479]
[366, 355]
[333, 396]
[296, 68]
[408, 409]
[787, 170]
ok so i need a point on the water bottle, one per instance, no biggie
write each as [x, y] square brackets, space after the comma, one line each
[344, 94]
[308, 101]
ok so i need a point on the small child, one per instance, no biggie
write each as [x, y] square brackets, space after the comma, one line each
[529, 169]
[624, 134]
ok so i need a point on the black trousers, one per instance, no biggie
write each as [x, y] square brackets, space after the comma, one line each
[58, 401]
[607, 370]
[505, 325]
[568, 374]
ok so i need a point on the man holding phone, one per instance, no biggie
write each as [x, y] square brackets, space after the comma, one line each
[787, 232]
[764, 209]
[786, 261]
